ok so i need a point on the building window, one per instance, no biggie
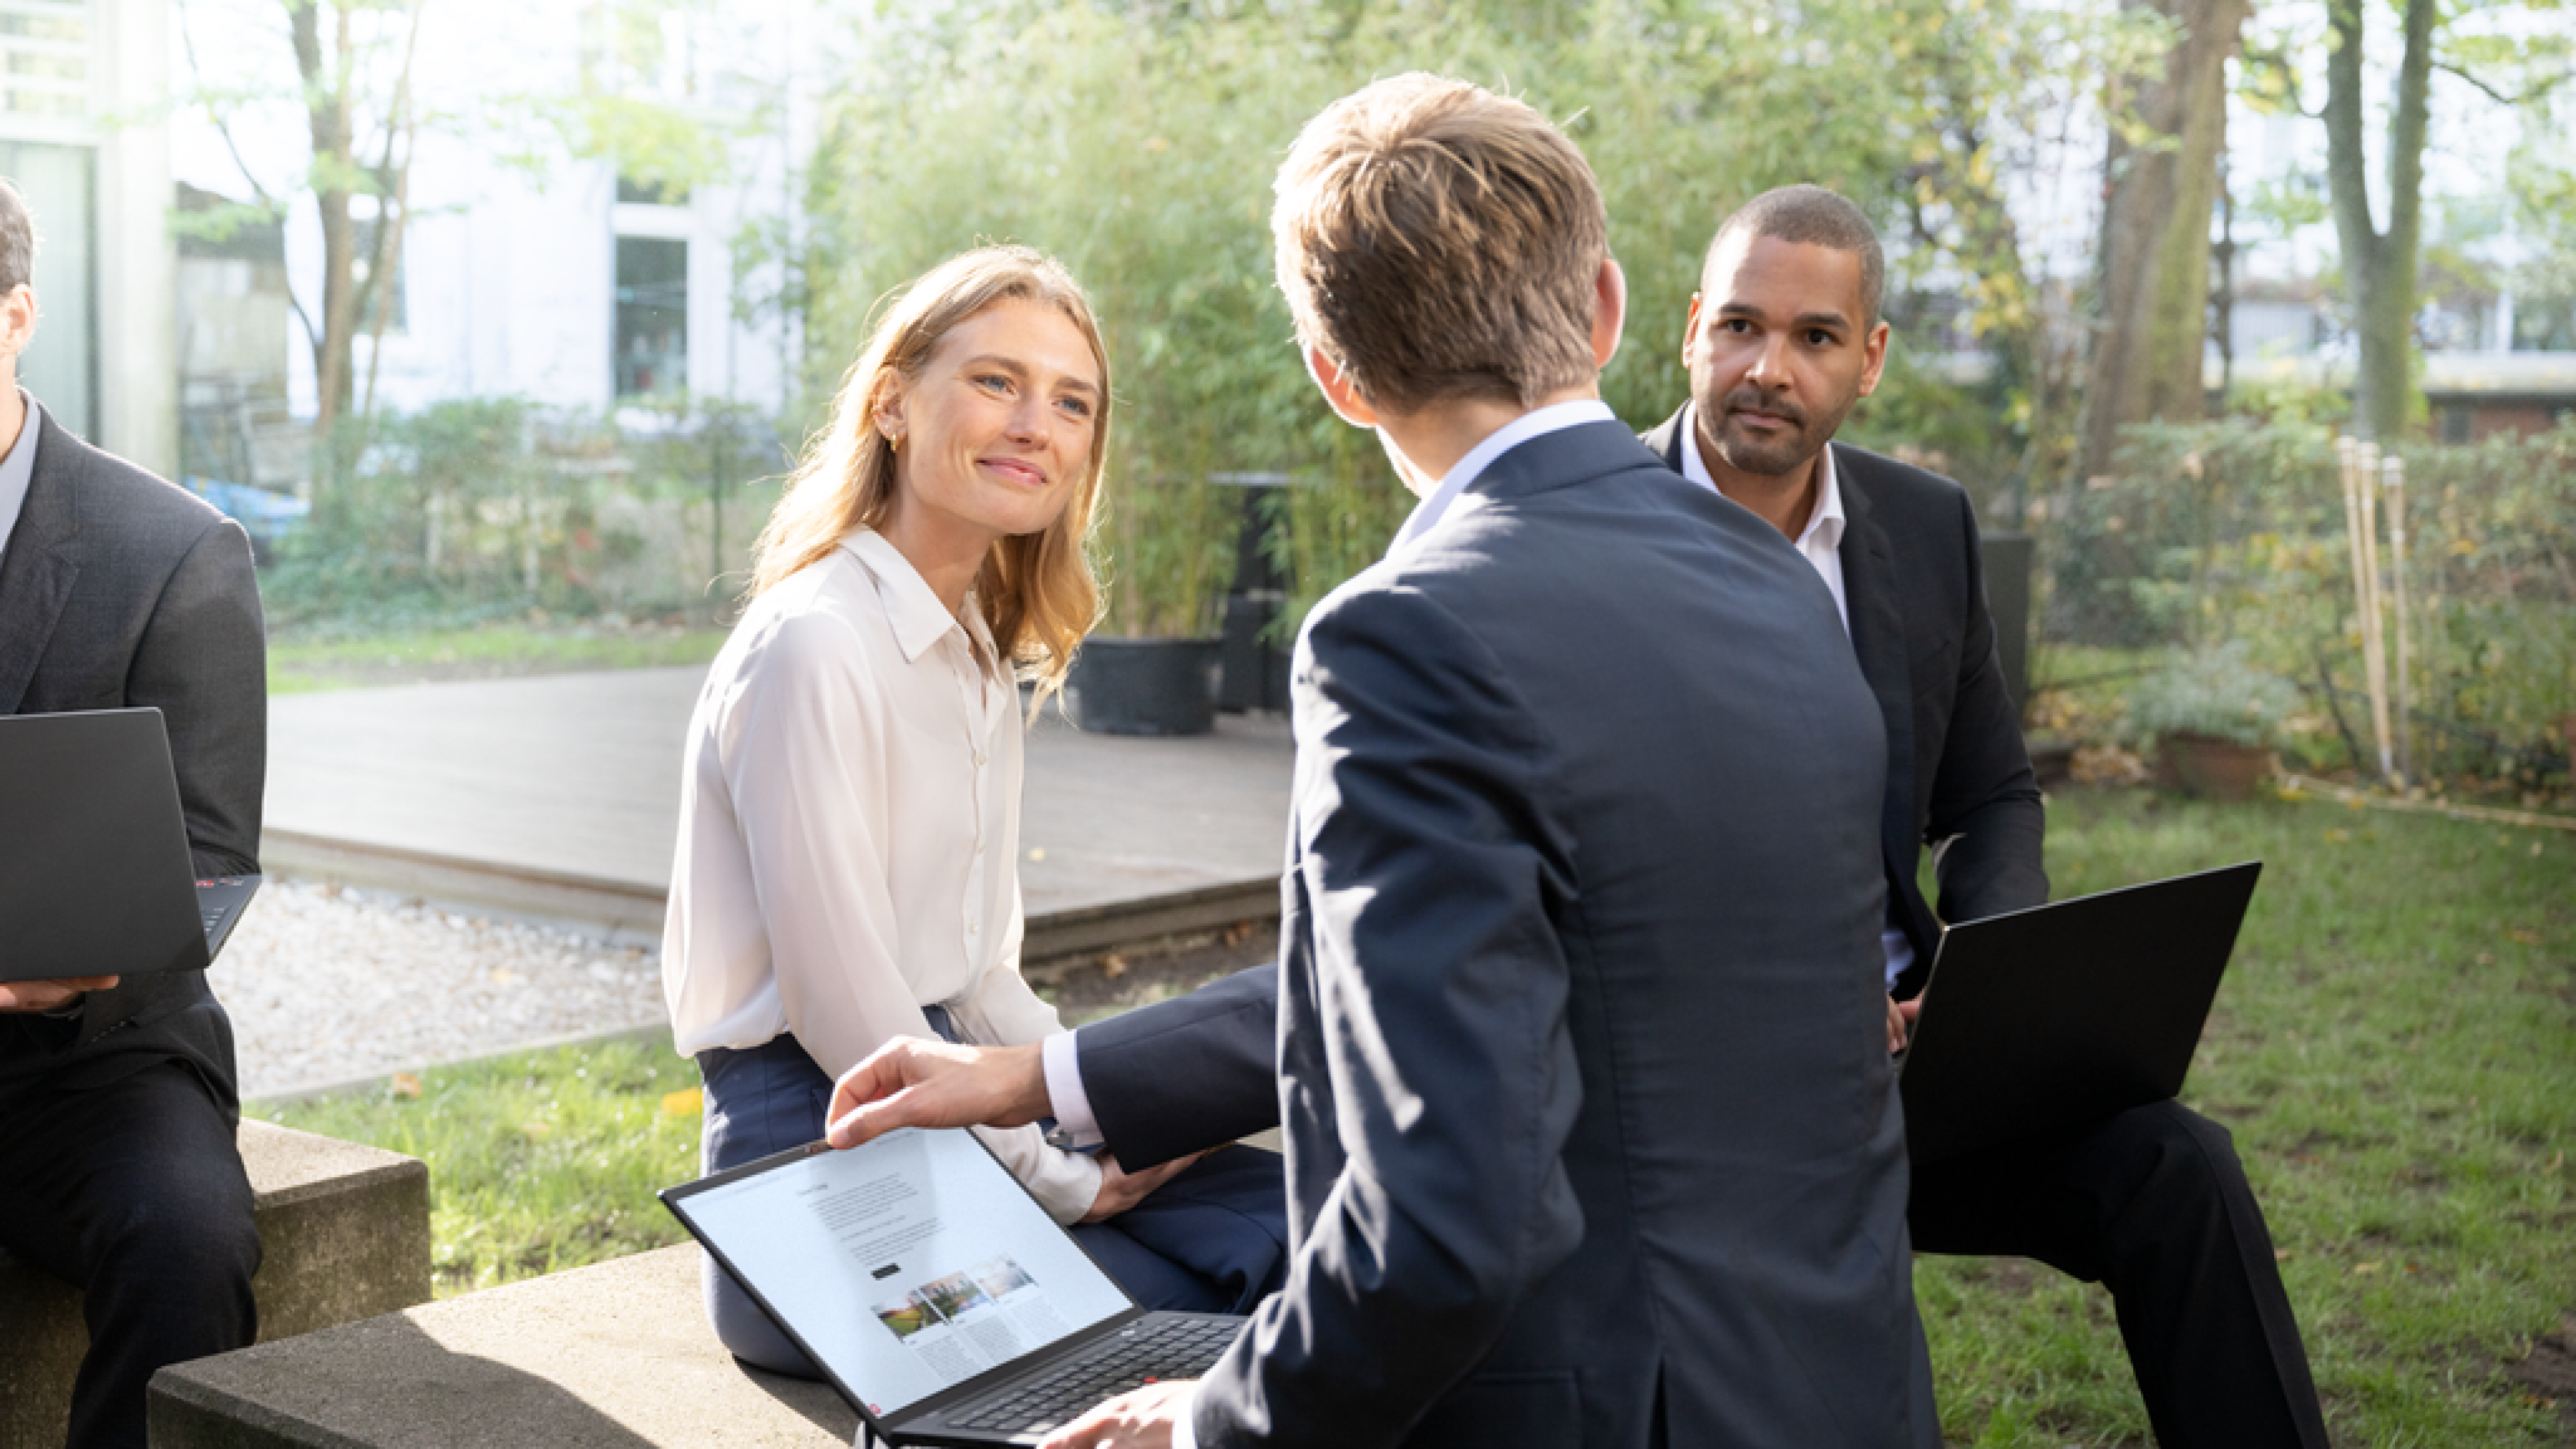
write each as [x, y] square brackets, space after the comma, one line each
[61, 365]
[652, 315]
[44, 58]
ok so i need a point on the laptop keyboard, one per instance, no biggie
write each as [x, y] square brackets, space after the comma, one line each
[1173, 1348]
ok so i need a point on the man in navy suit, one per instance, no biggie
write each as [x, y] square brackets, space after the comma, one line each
[1591, 1132]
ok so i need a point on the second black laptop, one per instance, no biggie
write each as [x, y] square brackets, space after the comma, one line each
[2067, 1013]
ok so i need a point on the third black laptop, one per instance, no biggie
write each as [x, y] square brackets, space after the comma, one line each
[933, 1291]
[95, 876]
[2044, 1019]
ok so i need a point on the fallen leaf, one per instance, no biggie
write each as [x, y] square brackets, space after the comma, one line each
[1113, 965]
[2362, 1268]
[406, 1085]
[688, 1103]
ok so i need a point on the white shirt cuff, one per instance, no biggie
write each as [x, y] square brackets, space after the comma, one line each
[1185, 1435]
[1070, 1106]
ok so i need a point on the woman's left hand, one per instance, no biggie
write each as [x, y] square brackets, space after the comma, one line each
[1121, 1189]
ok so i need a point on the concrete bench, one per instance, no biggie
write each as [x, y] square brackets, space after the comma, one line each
[344, 1235]
[614, 1356]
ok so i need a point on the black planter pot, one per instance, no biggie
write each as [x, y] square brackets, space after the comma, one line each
[1146, 686]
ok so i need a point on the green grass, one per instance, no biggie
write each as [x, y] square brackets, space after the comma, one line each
[2395, 1052]
[301, 662]
[538, 1161]
[2394, 1049]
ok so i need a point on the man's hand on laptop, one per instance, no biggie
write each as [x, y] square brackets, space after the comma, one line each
[50, 995]
[1139, 1419]
[917, 1082]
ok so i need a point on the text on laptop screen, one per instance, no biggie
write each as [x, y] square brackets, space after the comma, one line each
[908, 1265]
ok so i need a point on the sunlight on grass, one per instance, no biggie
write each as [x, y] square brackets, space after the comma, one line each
[538, 1161]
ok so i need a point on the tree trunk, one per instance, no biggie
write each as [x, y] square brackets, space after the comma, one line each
[2155, 250]
[327, 84]
[2379, 266]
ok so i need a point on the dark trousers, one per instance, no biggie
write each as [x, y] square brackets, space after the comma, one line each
[1214, 1239]
[133, 1192]
[2153, 1205]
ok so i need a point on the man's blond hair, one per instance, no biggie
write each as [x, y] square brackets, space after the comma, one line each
[1438, 241]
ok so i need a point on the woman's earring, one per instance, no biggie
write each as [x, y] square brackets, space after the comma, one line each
[894, 442]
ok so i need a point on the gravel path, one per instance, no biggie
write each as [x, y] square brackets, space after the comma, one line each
[325, 985]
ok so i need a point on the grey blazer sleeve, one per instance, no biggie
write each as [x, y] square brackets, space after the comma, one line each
[1187, 1074]
[1987, 821]
[1430, 988]
[203, 662]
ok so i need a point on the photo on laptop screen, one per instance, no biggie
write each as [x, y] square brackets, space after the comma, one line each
[908, 1266]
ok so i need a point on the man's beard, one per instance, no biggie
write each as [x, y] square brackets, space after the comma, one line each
[1783, 452]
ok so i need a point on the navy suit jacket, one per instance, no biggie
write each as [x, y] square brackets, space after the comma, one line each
[1591, 1132]
[118, 590]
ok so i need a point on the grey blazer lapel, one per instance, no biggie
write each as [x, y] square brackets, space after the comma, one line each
[37, 572]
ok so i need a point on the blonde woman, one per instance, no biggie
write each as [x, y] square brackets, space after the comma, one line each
[850, 807]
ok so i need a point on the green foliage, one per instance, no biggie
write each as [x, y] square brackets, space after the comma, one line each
[2392, 1061]
[2217, 693]
[539, 1161]
[2235, 530]
[484, 508]
[1138, 143]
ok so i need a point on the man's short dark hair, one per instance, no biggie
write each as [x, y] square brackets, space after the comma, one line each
[17, 240]
[1812, 216]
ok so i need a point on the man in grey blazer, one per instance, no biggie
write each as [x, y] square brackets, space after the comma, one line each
[1591, 1132]
[117, 1099]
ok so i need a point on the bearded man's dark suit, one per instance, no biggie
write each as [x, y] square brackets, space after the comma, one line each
[117, 1118]
[2153, 1203]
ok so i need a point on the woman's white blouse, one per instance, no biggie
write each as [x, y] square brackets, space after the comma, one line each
[849, 837]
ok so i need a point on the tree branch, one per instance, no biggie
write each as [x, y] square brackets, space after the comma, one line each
[223, 128]
[2499, 97]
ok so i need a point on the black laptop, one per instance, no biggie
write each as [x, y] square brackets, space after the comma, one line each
[933, 1291]
[2067, 1013]
[95, 878]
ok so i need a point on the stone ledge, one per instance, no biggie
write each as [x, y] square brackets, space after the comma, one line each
[613, 1356]
[344, 1234]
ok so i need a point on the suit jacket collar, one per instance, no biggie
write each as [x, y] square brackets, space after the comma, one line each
[37, 573]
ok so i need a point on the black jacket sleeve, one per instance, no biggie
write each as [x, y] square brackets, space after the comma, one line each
[1986, 822]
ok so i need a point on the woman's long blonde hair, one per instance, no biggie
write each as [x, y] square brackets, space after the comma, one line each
[1036, 590]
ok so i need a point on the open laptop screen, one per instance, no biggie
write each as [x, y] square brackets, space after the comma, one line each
[907, 1266]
